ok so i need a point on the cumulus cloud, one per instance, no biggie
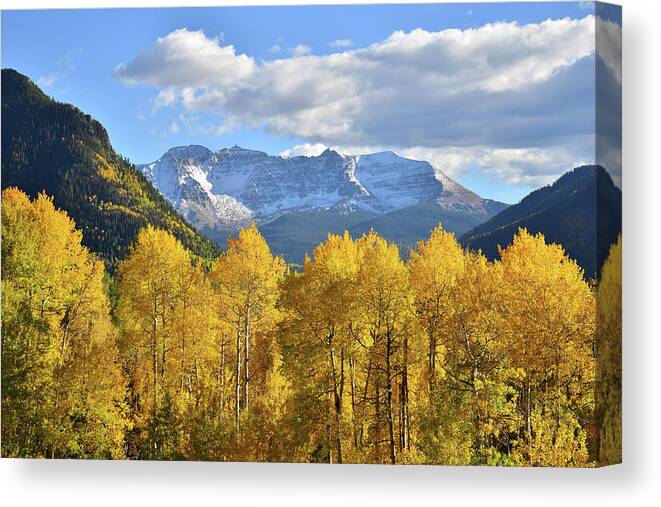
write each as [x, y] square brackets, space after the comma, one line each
[187, 58]
[300, 50]
[499, 92]
[609, 46]
[166, 97]
[276, 48]
[518, 166]
[609, 96]
[342, 43]
[305, 149]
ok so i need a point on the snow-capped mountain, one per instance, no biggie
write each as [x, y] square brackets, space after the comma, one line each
[230, 187]
[225, 190]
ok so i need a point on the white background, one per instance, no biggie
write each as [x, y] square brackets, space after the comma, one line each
[636, 482]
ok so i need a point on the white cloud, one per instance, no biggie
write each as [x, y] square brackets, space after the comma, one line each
[174, 127]
[609, 46]
[518, 166]
[511, 98]
[342, 43]
[276, 48]
[300, 50]
[47, 80]
[314, 149]
[305, 149]
[186, 58]
[65, 64]
[70, 60]
[217, 130]
[166, 97]
[586, 5]
[609, 97]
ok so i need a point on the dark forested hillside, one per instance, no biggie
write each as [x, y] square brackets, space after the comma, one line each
[582, 211]
[56, 148]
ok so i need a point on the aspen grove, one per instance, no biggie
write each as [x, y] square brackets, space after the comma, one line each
[358, 356]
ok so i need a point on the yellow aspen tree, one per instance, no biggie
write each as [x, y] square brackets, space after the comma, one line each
[476, 372]
[195, 361]
[150, 312]
[247, 279]
[216, 421]
[193, 332]
[89, 375]
[549, 318]
[384, 315]
[434, 268]
[63, 391]
[608, 383]
[315, 333]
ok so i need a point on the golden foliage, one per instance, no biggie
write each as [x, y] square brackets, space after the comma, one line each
[358, 358]
[63, 392]
[608, 385]
[549, 321]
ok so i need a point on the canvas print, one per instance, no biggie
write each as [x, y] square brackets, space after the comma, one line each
[378, 234]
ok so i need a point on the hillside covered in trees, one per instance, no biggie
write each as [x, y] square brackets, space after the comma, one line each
[581, 210]
[448, 358]
[55, 148]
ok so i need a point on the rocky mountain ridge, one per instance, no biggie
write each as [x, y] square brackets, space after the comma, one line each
[225, 190]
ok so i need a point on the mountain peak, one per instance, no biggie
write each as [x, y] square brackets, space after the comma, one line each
[239, 151]
[328, 152]
[235, 185]
[584, 171]
[192, 151]
[385, 155]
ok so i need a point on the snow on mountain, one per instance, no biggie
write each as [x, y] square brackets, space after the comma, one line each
[227, 189]
[397, 182]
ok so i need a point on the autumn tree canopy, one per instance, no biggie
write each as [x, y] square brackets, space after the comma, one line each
[63, 392]
[359, 357]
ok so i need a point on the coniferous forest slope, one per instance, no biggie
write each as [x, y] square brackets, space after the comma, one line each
[582, 211]
[55, 148]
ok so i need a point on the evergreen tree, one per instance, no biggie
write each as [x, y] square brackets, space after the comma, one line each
[57, 149]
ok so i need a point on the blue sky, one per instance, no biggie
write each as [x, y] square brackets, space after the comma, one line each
[74, 55]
